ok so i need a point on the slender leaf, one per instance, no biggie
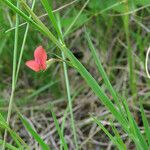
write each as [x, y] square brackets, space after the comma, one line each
[138, 137]
[118, 137]
[29, 128]
[107, 133]
[146, 124]
[102, 72]
[51, 15]
[58, 129]
[9, 146]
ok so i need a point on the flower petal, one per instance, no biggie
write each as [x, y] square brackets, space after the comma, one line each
[40, 57]
[33, 65]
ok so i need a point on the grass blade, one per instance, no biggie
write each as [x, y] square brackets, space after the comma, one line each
[102, 72]
[14, 135]
[41, 89]
[51, 15]
[58, 129]
[34, 134]
[134, 130]
[23, 45]
[146, 124]
[18, 11]
[13, 75]
[118, 137]
[132, 77]
[68, 91]
[107, 133]
[7, 145]
[76, 18]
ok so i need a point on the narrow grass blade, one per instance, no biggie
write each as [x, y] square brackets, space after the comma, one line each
[13, 75]
[2, 118]
[107, 133]
[35, 18]
[38, 24]
[68, 89]
[9, 146]
[19, 142]
[22, 47]
[132, 77]
[51, 15]
[40, 90]
[56, 10]
[70, 101]
[58, 129]
[4, 125]
[118, 137]
[76, 18]
[102, 72]
[67, 109]
[18, 11]
[34, 134]
[146, 124]
[139, 139]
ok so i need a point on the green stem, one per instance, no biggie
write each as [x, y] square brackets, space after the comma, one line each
[57, 27]
[23, 44]
[132, 79]
[13, 75]
[69, 100]
[68, 88]
[9, 146]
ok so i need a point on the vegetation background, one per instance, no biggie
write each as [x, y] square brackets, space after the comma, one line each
[58, 104]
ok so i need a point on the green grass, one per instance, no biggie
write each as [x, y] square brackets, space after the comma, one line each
[59, 129]
[132, 76]
[34, 133]
[13, 75]
[104, 52]
[115, 139]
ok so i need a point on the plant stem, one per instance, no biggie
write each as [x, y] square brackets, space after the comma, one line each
[68, 88]
[132, 79]
[13, 75]
[69, 101]
[23, 44]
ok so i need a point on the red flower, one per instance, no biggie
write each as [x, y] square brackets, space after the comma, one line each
[39, 62]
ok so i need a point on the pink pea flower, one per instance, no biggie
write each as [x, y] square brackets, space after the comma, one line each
[39, 62]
